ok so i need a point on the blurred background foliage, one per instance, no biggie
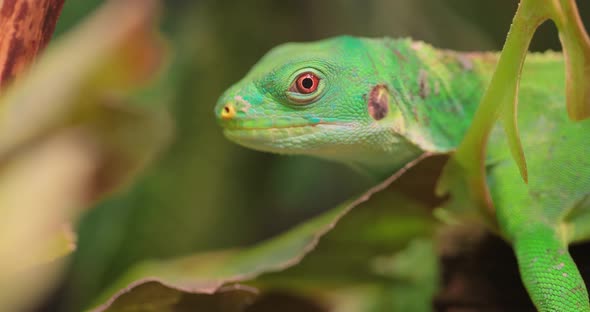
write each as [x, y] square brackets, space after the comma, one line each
[205, 193]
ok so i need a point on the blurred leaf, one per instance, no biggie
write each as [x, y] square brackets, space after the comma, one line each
[111, 53]
[39, 189]
[67, 138]
[61, 244]
[347, 255]
[105, 57]
[466, 169]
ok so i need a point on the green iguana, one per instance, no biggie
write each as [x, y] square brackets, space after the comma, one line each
[377, 104]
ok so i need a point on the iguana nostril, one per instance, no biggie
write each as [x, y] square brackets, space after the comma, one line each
[228, 111]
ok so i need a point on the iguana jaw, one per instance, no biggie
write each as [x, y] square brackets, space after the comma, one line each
[296, 138]
[346, 142]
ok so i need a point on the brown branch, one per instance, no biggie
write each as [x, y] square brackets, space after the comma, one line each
[26, 26]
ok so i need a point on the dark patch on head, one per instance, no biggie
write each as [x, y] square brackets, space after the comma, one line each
[378, 103]
[423, 83]
[7, 8]
[15, 51]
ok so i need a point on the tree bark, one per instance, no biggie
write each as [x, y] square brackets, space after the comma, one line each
[26, 26]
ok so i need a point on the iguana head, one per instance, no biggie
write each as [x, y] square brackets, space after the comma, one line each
[329, 99]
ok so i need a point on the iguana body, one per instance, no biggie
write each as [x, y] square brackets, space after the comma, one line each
[376, 104]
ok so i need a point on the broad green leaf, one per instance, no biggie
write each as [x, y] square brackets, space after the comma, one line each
[68, 136]
[398, 274]
[340, 248]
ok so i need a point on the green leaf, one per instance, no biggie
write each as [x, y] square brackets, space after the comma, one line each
[350, 248]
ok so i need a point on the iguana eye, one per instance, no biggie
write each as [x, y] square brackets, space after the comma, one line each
[305, 83]
[306, 87]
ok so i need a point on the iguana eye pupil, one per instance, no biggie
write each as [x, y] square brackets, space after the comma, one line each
[307, 83]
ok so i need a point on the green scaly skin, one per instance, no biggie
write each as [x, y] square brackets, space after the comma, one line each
[430, 97]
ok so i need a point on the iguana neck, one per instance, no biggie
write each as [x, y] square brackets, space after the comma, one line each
[440, 91]
[433, 95]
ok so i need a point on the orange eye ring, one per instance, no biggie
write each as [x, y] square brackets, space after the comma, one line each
[306, 83]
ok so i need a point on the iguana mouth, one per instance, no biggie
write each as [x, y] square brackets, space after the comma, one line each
[274, 133]
[278, 122]
[232, 127]
[282, 139]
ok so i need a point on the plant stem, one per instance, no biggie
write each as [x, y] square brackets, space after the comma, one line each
[26, 26]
